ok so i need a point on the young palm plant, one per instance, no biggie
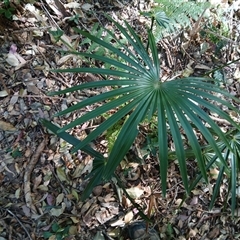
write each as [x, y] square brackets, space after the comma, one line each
[139, 93]
[231, 174]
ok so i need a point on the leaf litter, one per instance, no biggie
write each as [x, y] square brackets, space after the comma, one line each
[41, 182]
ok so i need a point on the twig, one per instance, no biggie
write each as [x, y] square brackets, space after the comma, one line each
[31, 29]
[62, 186]
[27, 175]
[39, 96]
[220, 120]
[222, 66]
[11, 213]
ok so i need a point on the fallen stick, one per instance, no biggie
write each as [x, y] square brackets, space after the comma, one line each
[27, 175]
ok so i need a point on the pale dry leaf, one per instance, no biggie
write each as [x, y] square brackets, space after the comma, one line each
[20, 58]
[5, 126]
[18, 193]
[118, 223]
[193, 232]
[61, 8]
[64, 59]
[214, 173]
[188, 70]
[85, 207]
[43, 188]
[103, 215]
[51, 4]
[237, 74]
[202, 66]
[135, 192]
[12, 60]
[75, 219]
[58, 211]
[14, 98]
[72, 5]
[128, 217]
[59, 198]
[73, 231]
[61, 174]
[3, 93]
[194, 200]
[75, 194]
[32, 89]
[86, 6]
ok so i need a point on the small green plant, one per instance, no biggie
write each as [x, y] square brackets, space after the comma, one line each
[6, 9]
[172, 16]
[180, 106]
[57, 231]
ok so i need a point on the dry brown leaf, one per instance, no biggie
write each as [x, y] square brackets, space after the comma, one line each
[58, 211]
[86, 6]
[59, 198]
[12, 60]
[3, 93]
[128, 217]
[61, 174]
[5, 126]
[135, 192]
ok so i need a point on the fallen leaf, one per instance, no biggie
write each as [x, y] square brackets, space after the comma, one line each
[128, 217]
[5, 126]
[86, 6]
[58, 211]
[12, 60]
[59, 198]
[135, 192]
[61, 174]
[3, 93]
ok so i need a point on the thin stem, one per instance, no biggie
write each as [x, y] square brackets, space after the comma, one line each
[151, 28]
[226, 64]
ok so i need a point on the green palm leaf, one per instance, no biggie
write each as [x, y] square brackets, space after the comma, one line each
[139, 93]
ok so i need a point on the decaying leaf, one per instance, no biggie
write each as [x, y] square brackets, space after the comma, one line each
[5, 126]
[3, 93]
[135, 192]
[57, 211]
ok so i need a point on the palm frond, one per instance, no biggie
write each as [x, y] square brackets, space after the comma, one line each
[140, 93]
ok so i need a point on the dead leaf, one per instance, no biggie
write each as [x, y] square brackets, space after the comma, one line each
[128, 217]
[61, 174]
[3, 93]
[12, 60]
[72, 5]
[5, 126]
[59, 198]
[86, 6]
[135, 192]
[58, 211]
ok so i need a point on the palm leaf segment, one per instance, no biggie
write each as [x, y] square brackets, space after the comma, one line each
[141, 93]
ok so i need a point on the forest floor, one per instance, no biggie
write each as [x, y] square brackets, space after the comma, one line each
[41, 182]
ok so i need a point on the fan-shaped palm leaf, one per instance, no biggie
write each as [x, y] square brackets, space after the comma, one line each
[140, 93]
